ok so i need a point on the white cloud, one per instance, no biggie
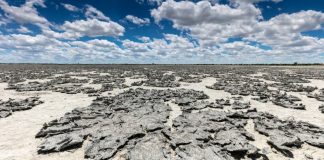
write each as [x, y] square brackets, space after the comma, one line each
[252, 1]
[186, 13]
[170, 49]
[2, 21]
[70, 7]
[138, 21]
[96, 25]
[27, 48]
[23, 29]
[144, 39]
[170, 45]
[284, 32]
[151, 2]
[213, 25]
[93, 28]
[178, 49]
[61, 35]
[90, 27]
[207, 29]
[27, 43]
[26, 13]
[93, 13]
[294, 23]
[96, 45]
[176, 41]
[209, 23]
[135, 46]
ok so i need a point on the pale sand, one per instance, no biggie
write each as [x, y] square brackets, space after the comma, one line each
[176, 111]
[314, 83]
[17, 132]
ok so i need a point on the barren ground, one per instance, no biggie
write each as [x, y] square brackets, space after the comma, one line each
[17, 132]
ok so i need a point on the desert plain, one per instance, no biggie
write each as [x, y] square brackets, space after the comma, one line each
[154, 112]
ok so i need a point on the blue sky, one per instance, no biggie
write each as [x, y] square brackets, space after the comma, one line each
[161, 31]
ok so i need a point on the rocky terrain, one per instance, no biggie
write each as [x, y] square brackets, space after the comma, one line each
[12, 105]
[159, 112]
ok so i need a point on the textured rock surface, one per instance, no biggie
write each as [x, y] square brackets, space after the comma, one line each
[135, 122]
[321, 108]
[111, 123]
[285, 135]
[222, 122]
[12, 105]
[240, 105]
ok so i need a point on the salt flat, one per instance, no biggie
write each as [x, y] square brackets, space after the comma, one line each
[177, 95]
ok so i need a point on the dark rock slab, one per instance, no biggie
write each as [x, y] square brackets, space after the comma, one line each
[133, 124]
[12, 105]
[321, 108]
[286, 135]
[240, 105]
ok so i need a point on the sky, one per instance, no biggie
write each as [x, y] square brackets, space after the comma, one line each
[162, 31]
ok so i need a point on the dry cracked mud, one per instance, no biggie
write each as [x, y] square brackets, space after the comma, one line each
[161, 112]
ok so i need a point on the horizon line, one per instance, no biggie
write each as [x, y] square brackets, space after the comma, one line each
[292, 64]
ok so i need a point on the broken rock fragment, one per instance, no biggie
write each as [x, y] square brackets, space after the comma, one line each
[12, 105]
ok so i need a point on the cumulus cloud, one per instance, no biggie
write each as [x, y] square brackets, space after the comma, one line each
[171, 45]
[151, 2]
[93, 28]
[26, 13]
[178, 49]
[214, 25]
[252, 1]
[135, 46]
[144, 39]
[96, 24]
[28, 43]
[93, 13]
[170, 49]
[23, 29]
[3, 21]
[209, 29]
[96, 45]
[209, 23]
[70, 7]
[137, 21]
[176, 41]
[293, 23]
[20, 47]
[284, 32]
[186, 13]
